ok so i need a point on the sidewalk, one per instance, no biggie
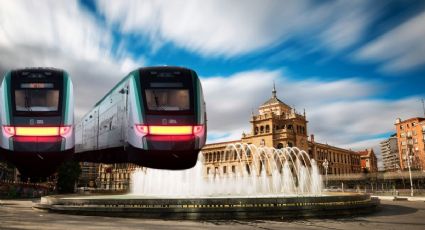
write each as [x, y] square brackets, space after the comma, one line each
[400, 198]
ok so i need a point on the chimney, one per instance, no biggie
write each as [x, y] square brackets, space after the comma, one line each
[312, 138]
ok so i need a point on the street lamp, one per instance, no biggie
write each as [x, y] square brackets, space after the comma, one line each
[409, 158]
[326, 165]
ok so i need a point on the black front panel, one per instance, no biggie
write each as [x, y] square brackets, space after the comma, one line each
[37, 93]
[167, 91]
[37, 121]
[37, 144]
[171, 143]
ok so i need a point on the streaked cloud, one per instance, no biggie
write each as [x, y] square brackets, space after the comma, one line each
[62, 34]
[400, 49]
[223, 28]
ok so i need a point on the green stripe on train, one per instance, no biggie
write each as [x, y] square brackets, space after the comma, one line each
[6, 94]
[65, 98]
[137, 84]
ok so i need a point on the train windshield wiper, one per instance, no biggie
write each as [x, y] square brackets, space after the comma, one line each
[27, 101]
[156, 101]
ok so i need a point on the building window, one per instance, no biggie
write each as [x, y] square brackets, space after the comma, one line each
[256, 130]
[233, 169]
[280, 146]
[267, 128]
[262, 129]
[290, 144]
[224, 169]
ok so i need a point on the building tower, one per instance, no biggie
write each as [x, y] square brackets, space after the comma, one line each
[277, 125]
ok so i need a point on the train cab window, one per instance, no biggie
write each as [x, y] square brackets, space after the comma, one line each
[167, 99]
[36, 100]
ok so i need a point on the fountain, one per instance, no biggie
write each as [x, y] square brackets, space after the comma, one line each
[264, 183]
[259, 172]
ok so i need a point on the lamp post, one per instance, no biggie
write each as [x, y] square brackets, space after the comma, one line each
[409, 158]
[326, 165]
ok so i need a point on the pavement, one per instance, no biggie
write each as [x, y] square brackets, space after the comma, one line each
[19, 214]
[407, 198]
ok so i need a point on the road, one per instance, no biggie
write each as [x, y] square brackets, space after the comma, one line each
[16, 214]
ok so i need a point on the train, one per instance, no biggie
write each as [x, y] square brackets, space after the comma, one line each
[37, 118]
[154, 117]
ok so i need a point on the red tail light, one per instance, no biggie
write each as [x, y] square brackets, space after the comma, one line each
[169, 130]
[37, 131]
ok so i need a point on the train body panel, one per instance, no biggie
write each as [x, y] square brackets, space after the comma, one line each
[37, 119]
[111, 131]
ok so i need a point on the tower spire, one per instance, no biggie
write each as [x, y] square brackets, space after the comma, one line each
[274, 90]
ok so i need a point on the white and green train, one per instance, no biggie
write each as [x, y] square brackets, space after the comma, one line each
[154, 117]
[37, 117]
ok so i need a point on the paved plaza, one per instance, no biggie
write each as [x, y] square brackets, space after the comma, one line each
[392, 215]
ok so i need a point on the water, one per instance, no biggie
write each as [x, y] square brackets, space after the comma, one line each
[271, 172]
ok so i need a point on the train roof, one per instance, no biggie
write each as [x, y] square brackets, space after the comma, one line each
[39, 69]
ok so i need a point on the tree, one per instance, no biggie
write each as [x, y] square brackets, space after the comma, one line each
[68, 174]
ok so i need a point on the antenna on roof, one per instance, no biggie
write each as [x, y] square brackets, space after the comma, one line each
[274, 90]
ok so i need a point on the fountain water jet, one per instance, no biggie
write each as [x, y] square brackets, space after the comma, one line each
[258, 171]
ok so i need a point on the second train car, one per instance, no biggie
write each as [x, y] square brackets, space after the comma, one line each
[155, 117]
[36, 117]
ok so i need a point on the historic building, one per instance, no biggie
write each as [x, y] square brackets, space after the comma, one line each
[115, 176]
[411, 142]
[89, 174]
[278, 125]
[368, 160]
[389, 152]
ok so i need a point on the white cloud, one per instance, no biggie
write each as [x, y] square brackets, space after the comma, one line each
[61, 34]
[220, 27]
[340, 112]
[401, 49]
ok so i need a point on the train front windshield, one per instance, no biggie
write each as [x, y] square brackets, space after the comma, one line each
[166, 93]
[36, 100]
[36, 93]
[168, 99]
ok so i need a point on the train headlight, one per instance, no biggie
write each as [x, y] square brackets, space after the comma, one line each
[198, 129]
[170, 130]
[9, 130]
[37, 131]
[64, 130]
[142, 129]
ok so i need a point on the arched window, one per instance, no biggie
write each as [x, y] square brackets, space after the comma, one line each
[280, 146]
[256, 130]
[262, 129]
[267, 128]
[290, 144]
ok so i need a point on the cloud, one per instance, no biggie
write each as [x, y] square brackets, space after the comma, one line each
[341, 113]
[61, 34]
[223, 28]
[400, 49]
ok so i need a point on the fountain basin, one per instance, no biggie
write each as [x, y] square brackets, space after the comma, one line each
[234, 207]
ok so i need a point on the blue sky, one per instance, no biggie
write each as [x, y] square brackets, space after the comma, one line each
[355, 66]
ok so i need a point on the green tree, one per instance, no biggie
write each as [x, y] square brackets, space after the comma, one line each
[68, 174]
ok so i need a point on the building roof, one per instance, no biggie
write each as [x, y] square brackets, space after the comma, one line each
[363, 153]
[274, 99]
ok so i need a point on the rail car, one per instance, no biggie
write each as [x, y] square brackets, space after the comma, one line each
[154, 117]
[37, 117]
